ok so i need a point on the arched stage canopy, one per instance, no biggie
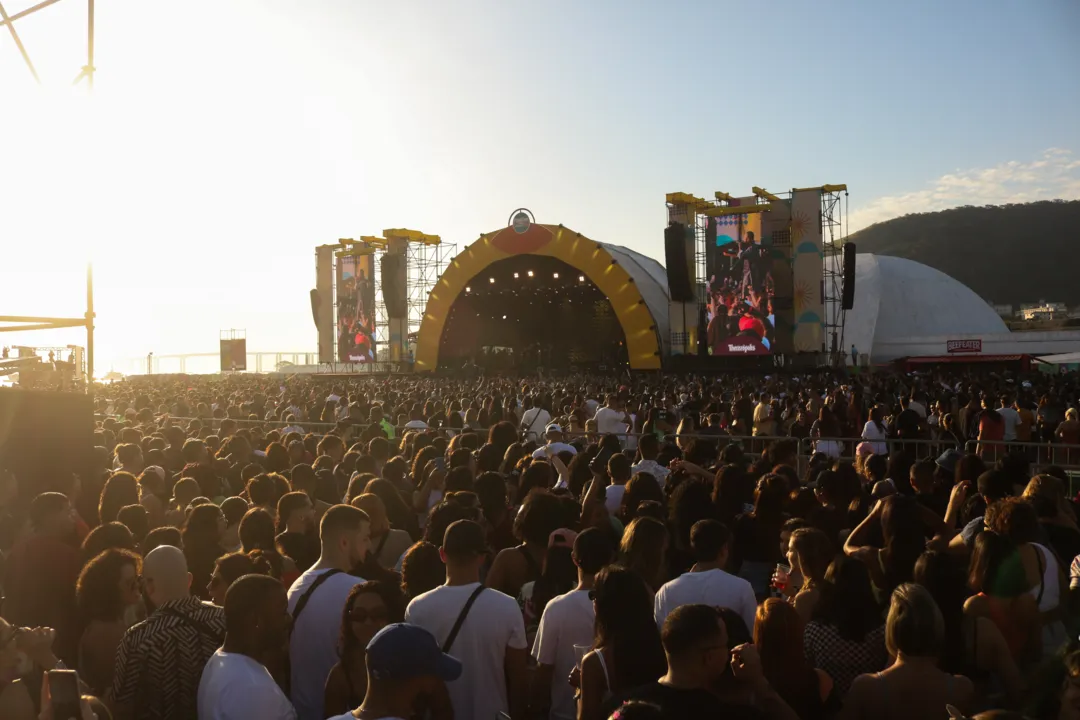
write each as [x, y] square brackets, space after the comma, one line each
[635, 285]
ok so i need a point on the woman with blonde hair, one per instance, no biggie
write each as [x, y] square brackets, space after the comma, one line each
[913, 686]
[643, 549]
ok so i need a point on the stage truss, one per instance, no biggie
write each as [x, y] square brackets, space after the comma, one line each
[425, 262]
[833, 221]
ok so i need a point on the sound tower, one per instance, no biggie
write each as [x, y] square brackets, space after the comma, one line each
[45, 437]
[847, 300]
[315, 307]
[678, 264]
[393, 285]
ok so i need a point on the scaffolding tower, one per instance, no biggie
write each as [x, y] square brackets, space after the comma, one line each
[833, 216]
[424, 265]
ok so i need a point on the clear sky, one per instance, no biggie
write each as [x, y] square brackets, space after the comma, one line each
[227, 138]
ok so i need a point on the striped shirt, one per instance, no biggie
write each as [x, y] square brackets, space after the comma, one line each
[160, 661]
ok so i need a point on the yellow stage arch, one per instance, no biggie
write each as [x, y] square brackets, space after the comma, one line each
[592, 259]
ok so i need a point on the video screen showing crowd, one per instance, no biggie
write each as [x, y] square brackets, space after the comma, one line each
[356, 309]
[739, 308]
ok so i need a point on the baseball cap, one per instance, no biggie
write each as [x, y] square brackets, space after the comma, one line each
[402, 651]
[463, 538]
[552, 428]
[948, 459]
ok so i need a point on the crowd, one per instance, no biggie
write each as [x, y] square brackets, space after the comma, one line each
[573, 548]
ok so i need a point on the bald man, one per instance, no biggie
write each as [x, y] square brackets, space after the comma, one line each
[160, 660]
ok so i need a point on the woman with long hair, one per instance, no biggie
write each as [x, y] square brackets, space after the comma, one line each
[388, 544]
[295, 532]
[558, 576]
[940, 575]
[422, 569]
[913, 686]
[756, 534]
[642, 487]
[809, 554]
[824, 431]
[120, 490]
[874, 432]
[626, 650]
[398, 512]
[229, 568]
[644, 550]
[202, 533]
[778, 636]
[257, 534]
[370, 607]
[502, 435]
[996, 576]
[731, 491]
[903, 524]
[846, 637]
[107, 587]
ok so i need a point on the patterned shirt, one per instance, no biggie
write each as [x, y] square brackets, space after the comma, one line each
[842, 659]
[160, 661]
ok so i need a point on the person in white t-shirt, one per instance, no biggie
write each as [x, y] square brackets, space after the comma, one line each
[534, 419]
[611, 418]
[491, 636]
[707, 583]
[1011, 417]
[404, 664]
[234, 684]
[566, 628]
[554, 435]
[618, 468]
[316, 601]
[649, 448]
[874, 432]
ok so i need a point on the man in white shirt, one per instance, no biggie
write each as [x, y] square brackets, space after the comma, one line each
[533, 419]
[567, 623]
[490, 639]
[234, 684]
[1011, 417]
[611, 418]
[416, 419]
[554, 435]
[316, 601]
[618, 468]
[403, 662]
[707, 583]
[649, 447]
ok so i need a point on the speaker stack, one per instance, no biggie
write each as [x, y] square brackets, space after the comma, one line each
[394, 289]
[678, 263]
[847, 299]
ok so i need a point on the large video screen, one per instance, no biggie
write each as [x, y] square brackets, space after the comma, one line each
[739, 306]
[356, 309]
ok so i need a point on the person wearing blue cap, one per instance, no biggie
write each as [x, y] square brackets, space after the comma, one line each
[404, 664]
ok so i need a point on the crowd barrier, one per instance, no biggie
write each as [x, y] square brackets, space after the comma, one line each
[1039, 454]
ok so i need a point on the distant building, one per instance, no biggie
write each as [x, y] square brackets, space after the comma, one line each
[1044, 311]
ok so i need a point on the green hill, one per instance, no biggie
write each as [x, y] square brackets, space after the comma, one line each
[1011, 254]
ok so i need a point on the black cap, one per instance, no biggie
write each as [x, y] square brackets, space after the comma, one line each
[464, 538]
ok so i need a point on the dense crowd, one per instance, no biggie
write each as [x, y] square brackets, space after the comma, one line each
[577, 547]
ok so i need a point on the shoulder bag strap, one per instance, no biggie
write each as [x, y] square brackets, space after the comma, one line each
[303, 601]
[461, 620]
[198, 625]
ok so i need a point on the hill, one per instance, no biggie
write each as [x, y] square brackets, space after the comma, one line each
[1011, 254]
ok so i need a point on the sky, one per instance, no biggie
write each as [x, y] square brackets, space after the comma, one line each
[225, 139]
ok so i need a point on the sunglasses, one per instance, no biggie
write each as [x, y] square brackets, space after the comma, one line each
[360, 615]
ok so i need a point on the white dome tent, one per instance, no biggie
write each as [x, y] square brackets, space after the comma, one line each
[905, 309]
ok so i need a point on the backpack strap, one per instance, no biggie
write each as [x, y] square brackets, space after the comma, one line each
[461, 619]
[303, 601]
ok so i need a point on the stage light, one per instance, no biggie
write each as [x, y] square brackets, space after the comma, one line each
[516, 276]
[530, 273]
[468, 289]
[581, 278]
[491, 280]
[504, 317]
[555, 275]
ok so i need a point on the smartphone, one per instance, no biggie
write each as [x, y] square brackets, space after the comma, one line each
[64, 694]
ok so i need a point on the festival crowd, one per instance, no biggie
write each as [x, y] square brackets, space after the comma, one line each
[779, 546]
